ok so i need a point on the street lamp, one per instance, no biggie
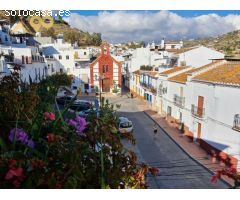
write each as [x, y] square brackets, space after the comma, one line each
[100, 78]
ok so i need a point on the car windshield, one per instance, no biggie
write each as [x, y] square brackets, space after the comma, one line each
[125, 125]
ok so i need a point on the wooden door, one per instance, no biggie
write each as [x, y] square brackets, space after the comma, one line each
[199, 127]
[106, 85]
[200, 106]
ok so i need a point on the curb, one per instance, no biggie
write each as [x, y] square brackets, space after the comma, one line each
[210, 171]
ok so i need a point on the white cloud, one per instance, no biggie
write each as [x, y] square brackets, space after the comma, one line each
[123, 26]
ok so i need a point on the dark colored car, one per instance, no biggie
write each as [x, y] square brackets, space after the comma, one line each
[65, 99]
[80, 105]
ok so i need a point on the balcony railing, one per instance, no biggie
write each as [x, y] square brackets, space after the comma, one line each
[149, 87]
[160, 92]
[178, 100]
[236, 122]
[197, 111]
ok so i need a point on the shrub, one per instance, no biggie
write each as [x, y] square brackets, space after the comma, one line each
[52, 150]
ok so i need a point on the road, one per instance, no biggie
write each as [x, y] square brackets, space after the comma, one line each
[177, 169]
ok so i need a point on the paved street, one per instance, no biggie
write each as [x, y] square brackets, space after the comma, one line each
[177, 170]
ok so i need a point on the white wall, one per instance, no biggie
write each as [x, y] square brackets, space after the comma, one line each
[141, 56]
[34, 70]
[199, 56]
[221, 103]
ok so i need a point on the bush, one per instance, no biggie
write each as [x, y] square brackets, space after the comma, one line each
[51, 150]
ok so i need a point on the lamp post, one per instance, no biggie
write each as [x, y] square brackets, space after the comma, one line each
[101, 77]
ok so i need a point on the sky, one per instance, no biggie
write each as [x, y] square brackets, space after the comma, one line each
[148, 26]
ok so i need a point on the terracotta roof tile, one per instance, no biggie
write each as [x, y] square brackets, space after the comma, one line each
[223, 74]
[172, 70]
[178, 51]
[182, 78]
[150, 73]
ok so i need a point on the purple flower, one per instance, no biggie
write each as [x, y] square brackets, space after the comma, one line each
[31, 144]
[20, 136]
[72, 122]
[79, 123]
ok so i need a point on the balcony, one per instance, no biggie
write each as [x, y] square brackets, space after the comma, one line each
[160, 92]
[178, 100]
[236, 122]
[197, 111]
[149, 87]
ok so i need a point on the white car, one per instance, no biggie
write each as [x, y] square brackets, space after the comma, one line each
[125, 125]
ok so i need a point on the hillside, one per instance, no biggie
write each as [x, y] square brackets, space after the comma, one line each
[228, 43]
[71, 34]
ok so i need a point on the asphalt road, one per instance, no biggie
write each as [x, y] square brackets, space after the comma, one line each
[177, 169]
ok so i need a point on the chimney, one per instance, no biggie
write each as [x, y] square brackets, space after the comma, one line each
[162, 43]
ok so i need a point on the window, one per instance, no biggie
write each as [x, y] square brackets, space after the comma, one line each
[84, 53]
[236, 122]
[67, 57]
[1, 66]
[105, 68]
[61, 70]
[53, 70]
[60, 57]
[6, 38]
[23, 60]
[86, 86]
[183, 63]
[169, 111]
[105, 51]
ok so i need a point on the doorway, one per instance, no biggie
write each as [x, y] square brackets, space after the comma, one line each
[200, 106]
[106, 85]
[199, 127]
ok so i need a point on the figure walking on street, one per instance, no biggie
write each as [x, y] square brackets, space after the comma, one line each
[155, 130]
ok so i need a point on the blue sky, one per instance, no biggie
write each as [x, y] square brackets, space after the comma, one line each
[125, 26]
[184, 13]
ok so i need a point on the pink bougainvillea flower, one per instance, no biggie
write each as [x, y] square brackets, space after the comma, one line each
[12, 164]
[49, 116]
[17, 172]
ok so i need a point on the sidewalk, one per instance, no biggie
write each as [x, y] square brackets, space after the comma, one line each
[190, 147]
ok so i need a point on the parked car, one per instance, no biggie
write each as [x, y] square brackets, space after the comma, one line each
[80, 105]
[83, 107]
[125, 125]
[65, 99]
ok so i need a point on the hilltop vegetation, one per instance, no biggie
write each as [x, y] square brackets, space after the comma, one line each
[60, 26]
[228, 43]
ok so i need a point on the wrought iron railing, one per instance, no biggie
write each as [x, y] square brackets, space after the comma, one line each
[178, 100]
[236, 122]
[197, 111]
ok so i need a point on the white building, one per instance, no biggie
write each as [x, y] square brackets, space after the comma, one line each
[82, 59]
[59, 56]
[194, 57]
[199, 98]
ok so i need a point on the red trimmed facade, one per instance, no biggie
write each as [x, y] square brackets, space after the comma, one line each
[103, 67]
